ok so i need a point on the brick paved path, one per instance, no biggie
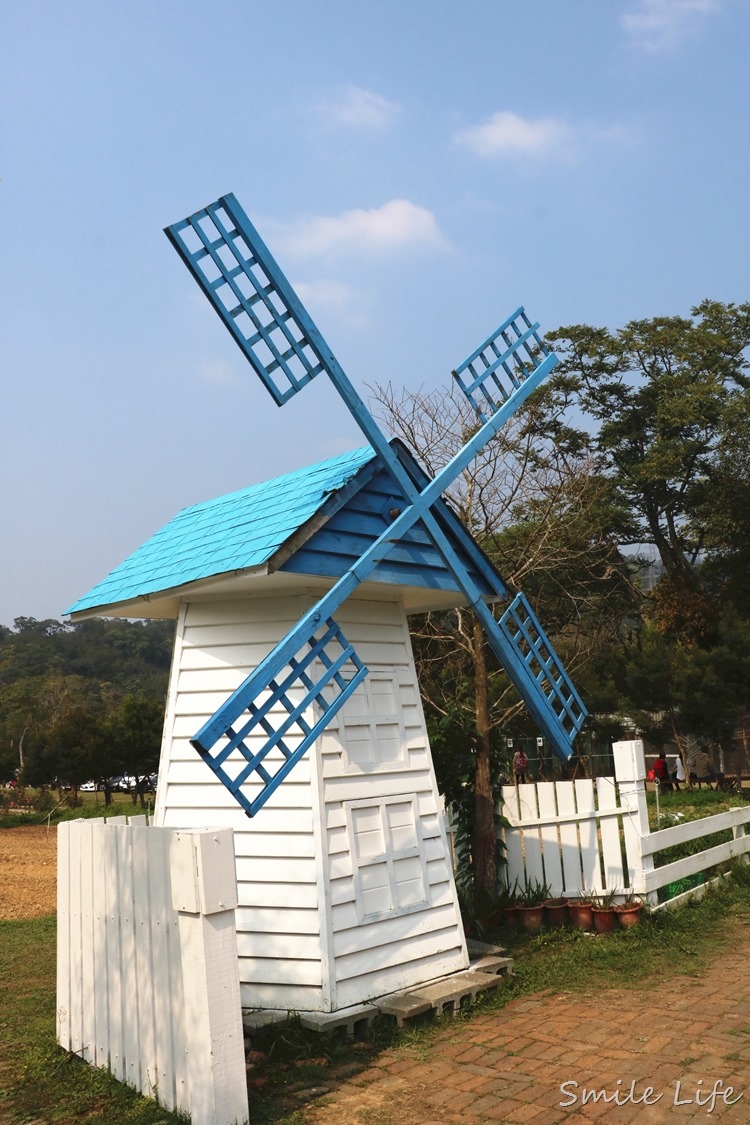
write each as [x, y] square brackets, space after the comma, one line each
[509, 1065]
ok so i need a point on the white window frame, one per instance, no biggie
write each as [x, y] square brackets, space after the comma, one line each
[389, 857]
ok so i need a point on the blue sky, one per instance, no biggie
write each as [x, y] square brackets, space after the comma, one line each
[418, 169]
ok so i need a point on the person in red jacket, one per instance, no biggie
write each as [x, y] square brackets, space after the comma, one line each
[661, 772]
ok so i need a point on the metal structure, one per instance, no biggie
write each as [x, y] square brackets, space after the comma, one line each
[313, 671]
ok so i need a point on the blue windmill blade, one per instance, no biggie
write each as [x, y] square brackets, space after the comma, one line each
[321, 680]
[501, 365]
[239, 275]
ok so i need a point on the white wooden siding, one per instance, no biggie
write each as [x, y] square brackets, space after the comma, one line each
[296, 870]
[217, 645]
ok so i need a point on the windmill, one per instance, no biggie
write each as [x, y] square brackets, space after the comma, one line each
[314, 670]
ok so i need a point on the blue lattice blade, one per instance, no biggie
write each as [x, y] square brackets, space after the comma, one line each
[241, 757]
[527, 654]
[328, 708]
[249, 291]
[327, 713]
[277, 693]
[272, 782]
[501, 363]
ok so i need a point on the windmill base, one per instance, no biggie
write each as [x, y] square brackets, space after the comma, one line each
[442, 996]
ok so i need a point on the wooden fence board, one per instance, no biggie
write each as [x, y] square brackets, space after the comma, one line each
[569, 845]
[553, 875]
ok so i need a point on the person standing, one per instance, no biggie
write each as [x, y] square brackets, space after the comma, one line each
[678, 772]
[520, 765]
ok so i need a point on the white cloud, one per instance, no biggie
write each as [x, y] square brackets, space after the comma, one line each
[325, 296]
[362, 109]
[506, 132]
[657, 25]
[398, 223]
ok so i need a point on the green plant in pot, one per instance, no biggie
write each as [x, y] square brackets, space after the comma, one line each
[556, 912]
[508, 902]
[629, 911]
[531, 905]
[581, 913]
[603, 910]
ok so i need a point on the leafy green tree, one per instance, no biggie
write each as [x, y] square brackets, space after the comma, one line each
[659, 396]
[135, 731]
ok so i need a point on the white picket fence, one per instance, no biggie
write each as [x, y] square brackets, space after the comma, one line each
[589, 836]
[147, 969]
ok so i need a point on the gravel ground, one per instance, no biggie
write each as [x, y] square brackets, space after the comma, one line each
[28, 872]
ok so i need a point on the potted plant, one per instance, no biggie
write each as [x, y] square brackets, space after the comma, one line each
[531, 906]
[603, 910]
[629, 911]
[507, 902]
[556, 912]
[580, 912]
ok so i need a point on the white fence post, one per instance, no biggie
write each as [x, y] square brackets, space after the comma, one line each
[147, 965]
[630, 774]
[204, 892]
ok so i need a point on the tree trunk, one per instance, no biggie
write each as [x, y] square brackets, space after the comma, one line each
[485, 874]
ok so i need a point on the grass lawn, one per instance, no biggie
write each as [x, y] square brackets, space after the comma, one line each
[38, 1081]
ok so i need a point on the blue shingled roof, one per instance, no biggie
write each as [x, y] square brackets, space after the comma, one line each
[234, 532]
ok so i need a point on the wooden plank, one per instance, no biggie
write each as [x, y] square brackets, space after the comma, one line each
[396, 956]
[64, 941]
[168, 1018]
[277, 895]
[590, 857]
[695, 829]
[532, 847]
[102, 968]
[278, 944]
[77, 1040]
[175, 984]
[130, 1038]
[408, 928]
[89, 975]
[515, 870]
[280, 996]
[273, 869]
[355, 788]
[358, 990]
[692, 864]
[609, 830]
[553, 874]
[145, 986]
[111, 847]
[217, 1081]
[570, 847]
[264, 920]
[265, 970]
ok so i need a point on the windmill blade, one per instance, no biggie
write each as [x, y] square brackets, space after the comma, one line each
[502, 364]
[242, 280]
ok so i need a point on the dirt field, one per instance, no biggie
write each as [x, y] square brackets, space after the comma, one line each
[28, 872]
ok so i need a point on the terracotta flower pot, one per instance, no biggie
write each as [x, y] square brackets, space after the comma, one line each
[511, 916]
[629, 914]
[532, 917]
[581, 915]
[604, 919]
[556, 912]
